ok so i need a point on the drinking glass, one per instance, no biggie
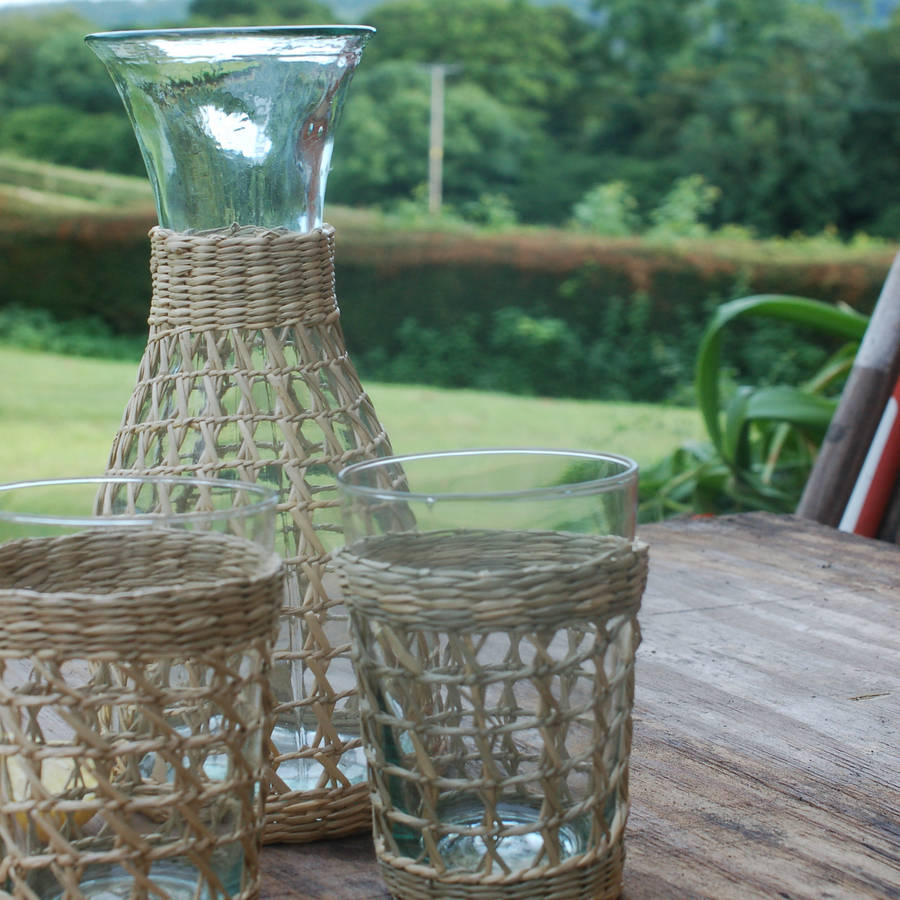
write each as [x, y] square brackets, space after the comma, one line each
[493, 597]
[137, 617]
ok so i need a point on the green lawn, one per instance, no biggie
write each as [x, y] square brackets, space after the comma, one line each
[58, 415]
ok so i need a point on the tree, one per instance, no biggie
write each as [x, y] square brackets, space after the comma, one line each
[44, 60]
[874, 135]
[790, 114]
[59, 103]
[771, 125]
[607, 209]
[519, 53]
[753, 95]
[381, 150]
[69, 137]
[511, 118]
[263, 12]
[684, 208]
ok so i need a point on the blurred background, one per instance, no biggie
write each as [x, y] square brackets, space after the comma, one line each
[613, 171]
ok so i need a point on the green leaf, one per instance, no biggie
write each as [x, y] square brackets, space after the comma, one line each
[789, 404]
[781, 403]
[797, 310]
[835, 367]
[735, 429]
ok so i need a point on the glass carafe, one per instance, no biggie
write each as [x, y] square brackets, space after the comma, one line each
[245, 369]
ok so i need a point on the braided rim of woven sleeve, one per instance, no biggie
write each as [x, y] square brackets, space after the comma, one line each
[136, 594]
[243, 277]
[595, 875]
[401, 578]
[323, 814]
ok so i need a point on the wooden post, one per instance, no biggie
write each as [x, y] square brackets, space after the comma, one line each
[871, 497]
[436, 141]
[853, 426]
[890, 524]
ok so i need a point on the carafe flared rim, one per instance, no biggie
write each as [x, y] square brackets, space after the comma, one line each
[237, 31]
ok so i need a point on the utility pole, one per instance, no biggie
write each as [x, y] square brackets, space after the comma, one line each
[436, 140]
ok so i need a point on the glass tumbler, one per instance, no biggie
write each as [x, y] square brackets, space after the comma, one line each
[137, 616]
[493, 597]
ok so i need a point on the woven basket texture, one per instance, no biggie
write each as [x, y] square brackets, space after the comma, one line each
[134, 671]
[246, 368]
[496, 674]
[599, 878]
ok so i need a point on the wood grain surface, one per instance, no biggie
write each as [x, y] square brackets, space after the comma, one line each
[765, 760]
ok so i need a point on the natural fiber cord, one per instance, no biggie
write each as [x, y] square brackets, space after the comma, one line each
[145, 594]
[246, 370]
[597, 878]
[130, 661]
[496, 673]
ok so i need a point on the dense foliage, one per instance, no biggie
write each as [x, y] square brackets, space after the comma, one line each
[528, 310]
[762, 438]
[774, 115]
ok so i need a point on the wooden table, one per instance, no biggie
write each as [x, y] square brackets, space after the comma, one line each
[766, 760]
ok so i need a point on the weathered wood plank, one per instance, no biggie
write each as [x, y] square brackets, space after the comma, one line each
[327, 870]
[765, 761]
[765, 758]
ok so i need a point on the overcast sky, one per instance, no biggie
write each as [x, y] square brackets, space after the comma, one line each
[32, 2]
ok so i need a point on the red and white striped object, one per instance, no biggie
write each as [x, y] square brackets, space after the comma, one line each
[878, 476]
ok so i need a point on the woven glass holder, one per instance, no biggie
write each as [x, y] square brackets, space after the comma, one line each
[245, 370]
[496, 708]
[133, 707]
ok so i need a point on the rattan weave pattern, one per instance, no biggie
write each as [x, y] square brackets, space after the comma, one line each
[57, 595]
[126, 661]
[245, 369]
[242, 278]
[496, 673]
[597, 878]
[451, 581]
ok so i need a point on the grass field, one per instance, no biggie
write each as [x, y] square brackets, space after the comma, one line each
[58, 415]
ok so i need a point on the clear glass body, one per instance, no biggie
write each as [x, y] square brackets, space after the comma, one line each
[60, 506]
[235, 125]
[80, 727]
[438, 685]
[513, 489]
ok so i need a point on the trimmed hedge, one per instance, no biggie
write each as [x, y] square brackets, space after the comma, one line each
[436, 278]
[80, 270]
[547, 312]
